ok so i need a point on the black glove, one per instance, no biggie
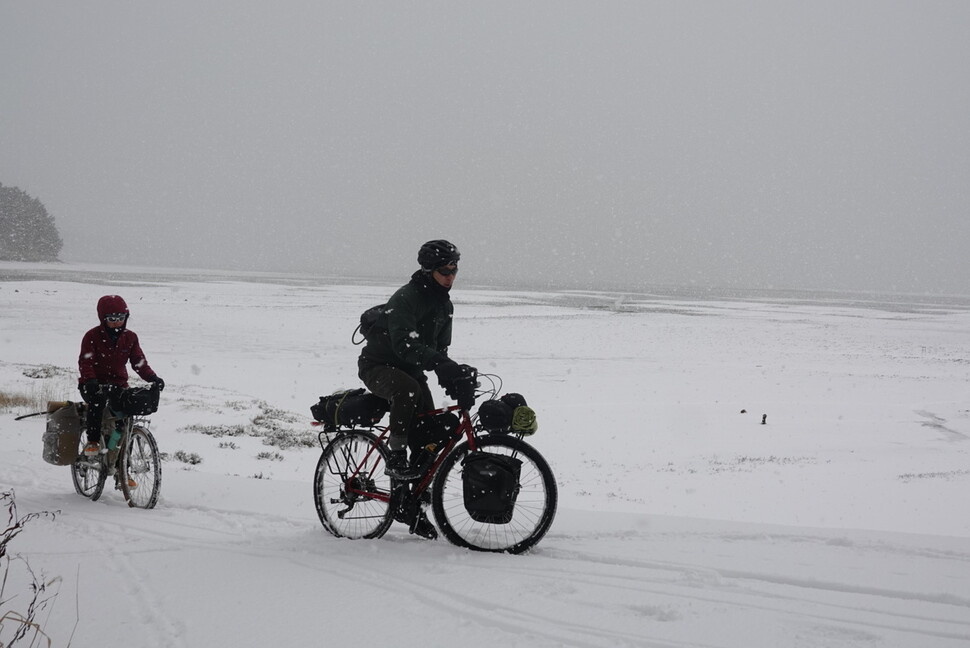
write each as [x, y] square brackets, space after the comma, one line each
[464, 392]
[90, 389]
[459, 382]
[448, 372]
[157, 380]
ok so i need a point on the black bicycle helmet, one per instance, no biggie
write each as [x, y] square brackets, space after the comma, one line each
[435, 254]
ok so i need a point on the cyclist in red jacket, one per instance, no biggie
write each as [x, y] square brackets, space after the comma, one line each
[106, 350]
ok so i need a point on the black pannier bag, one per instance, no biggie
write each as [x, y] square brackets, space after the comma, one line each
[138, 401]
[349, 407]
[490, 486]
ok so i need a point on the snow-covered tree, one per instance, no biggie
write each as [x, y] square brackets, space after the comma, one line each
[27, 231]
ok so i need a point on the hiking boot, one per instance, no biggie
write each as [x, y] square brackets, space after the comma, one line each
[92, 449]
[398, 466]
[132, 484]
[421, 526]
[406, 506]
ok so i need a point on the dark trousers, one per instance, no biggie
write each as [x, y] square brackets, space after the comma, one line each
[408, 396]
[96, 404]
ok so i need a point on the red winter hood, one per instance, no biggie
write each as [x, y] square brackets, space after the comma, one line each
[111, 304]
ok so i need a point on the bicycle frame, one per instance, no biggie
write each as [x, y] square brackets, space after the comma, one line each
[111, 420]
[465, 429]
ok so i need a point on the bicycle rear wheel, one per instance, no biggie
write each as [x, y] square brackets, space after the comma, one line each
[141, 469]
[88, 475]
[535, 505]
[350, 490]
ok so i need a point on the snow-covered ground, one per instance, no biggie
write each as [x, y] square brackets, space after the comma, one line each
[842, 521]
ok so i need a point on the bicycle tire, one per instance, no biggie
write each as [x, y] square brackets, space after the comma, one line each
[141, 463]
[88, 475]
[535, 506]
[344, 469]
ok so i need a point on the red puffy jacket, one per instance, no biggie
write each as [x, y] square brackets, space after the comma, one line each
[105, 353]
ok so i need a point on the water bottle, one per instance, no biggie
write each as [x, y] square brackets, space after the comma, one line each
[114, 439]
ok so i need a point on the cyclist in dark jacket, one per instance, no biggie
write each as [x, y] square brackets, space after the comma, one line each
[105, 351]
[414, 335]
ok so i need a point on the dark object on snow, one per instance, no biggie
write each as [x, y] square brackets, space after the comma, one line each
[764, 419]
[349, 407]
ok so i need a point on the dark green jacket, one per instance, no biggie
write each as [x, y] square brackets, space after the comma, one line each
[414, 332]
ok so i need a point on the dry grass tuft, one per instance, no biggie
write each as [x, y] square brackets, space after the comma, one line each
[9, 401]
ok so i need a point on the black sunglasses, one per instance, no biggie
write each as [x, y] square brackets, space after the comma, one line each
[115, 317]
[445, 271]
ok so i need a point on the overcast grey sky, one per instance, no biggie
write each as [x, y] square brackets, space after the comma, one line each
[821, 144]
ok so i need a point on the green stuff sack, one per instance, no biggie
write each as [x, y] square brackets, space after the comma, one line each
[524, 420]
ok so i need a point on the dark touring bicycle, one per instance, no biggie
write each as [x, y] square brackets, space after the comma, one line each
[489, 490]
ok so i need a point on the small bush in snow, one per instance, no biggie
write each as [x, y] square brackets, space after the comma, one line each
[187, 457]
[286, 439]
[218, 431]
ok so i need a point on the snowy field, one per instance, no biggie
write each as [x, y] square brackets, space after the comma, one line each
[842, 521]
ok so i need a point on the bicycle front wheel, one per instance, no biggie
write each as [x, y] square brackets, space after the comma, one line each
[141, 469]
[535, 505]
[350, 490]
[88, 475]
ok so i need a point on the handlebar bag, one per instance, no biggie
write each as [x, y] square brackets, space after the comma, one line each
[495, 415]
[510, 413]
[139, 401]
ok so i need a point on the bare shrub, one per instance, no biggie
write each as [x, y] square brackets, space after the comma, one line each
[18, 625]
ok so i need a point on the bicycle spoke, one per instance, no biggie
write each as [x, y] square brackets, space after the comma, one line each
[351, 492]
[535, 504]
[141, 474]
